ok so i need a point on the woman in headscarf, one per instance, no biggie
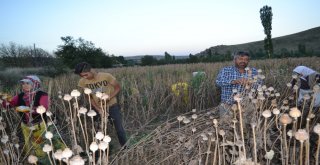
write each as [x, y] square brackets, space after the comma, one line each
[308, 79]
[32, 125]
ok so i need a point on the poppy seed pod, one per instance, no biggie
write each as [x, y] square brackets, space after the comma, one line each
[221, 132]
[215, 122]
[285, 119]
[76, 160]
[48, 113]
[295, 112]
[105, 96]
[266, 114]
[194, 116]
[41, 109]
[193, 129]
[94, 147]
[237, 98]
[87, 91]
[67, 153]
[186, 120]
[269, 155]
[316, 129]
[103, 145]
[47, 148]
[204, 138]
[91, 113]
[107, 139]
[276, 111]
[180, 118]
[58, 154]
[75, 93]
[285, 102]
[99, 135]
[67, 97]
[48, 135]
[301, 135]
[83, 110]
[99, 94]
[32, 159]
[289, 133]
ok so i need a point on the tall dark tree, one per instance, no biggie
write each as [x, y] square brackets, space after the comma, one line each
[302, 50]
[121, 60]
[193, 59]
[148, 60]
[266, 20]
[168, 58]
[74, 51]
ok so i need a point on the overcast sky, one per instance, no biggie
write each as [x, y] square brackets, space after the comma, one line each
[141, 27]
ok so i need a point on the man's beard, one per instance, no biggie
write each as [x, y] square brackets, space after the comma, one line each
[242, 65]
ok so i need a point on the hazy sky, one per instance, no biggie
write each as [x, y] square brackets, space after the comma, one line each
[140, 27]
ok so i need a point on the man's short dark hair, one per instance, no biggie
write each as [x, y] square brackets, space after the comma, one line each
[240, 53]
[82, 67]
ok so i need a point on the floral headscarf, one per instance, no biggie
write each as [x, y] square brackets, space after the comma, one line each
[33, 80]
[35, 83]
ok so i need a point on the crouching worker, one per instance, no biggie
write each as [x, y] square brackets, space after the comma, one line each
[308, 79]
[32, 125]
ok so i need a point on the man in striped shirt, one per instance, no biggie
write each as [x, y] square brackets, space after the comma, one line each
[233, 79]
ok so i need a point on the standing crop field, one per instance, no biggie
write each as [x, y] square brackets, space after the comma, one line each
[170, 118]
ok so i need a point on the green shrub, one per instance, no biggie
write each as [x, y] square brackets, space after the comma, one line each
[55, 69]
[9, 77]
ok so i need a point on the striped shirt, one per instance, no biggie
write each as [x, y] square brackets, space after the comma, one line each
[224, 78]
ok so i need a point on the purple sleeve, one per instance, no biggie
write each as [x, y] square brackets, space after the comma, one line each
[13, 102]
[44, 101]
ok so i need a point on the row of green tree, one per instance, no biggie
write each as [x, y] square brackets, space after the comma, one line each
[207, 56]
[67, 55]
[73, 51]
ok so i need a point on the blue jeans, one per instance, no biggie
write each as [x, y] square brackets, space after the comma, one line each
[115, 116]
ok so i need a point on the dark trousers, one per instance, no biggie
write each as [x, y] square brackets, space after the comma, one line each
[115, 119]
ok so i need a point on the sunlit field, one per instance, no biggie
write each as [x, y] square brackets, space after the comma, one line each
[181, 126]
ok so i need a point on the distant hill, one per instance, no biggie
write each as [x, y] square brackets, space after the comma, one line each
[158, 57]
[309, 38]
[289, 43]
